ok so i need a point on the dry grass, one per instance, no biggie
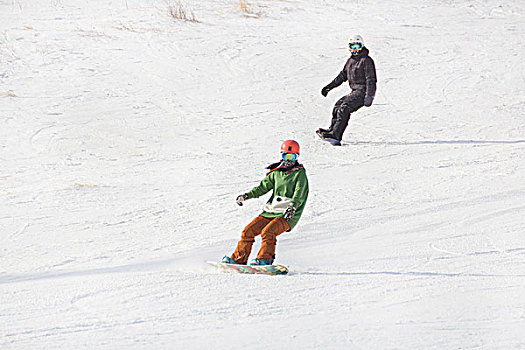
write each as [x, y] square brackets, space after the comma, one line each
[243, 5]
[179, 12]
[247, 9]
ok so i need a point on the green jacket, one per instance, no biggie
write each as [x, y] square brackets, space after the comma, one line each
[292, 185]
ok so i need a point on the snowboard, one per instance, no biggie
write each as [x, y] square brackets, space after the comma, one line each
[333, 142]
[252, 269]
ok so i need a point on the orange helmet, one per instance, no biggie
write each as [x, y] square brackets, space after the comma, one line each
[290, 146]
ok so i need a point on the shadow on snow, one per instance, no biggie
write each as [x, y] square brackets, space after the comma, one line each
[436, 142]
[407, 273]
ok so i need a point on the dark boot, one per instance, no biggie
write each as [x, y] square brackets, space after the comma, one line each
[328, 135]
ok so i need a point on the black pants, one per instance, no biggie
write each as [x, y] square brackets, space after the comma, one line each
[342, 110]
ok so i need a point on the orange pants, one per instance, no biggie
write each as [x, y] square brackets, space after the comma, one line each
[269, 229]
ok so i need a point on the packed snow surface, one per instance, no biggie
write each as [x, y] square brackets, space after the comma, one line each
[127, 134]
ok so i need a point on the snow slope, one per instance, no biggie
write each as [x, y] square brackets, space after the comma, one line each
[125, 136]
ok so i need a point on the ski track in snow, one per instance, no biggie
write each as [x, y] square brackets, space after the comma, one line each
[126, 135]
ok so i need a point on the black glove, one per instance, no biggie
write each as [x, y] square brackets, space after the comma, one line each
[368, 100]
[241, 199]
[289, 212]
[326, 90]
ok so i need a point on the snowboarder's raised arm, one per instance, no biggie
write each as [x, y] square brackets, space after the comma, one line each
[339, 79]
[264, 187]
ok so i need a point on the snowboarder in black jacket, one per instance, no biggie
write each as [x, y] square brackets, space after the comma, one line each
[360, 72]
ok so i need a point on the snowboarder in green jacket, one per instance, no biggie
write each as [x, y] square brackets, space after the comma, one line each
[289, 183]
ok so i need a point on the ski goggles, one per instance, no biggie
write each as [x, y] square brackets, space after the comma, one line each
[355, 46]
[289, 156]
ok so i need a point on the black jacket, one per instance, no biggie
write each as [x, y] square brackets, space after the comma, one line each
[360, 72]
